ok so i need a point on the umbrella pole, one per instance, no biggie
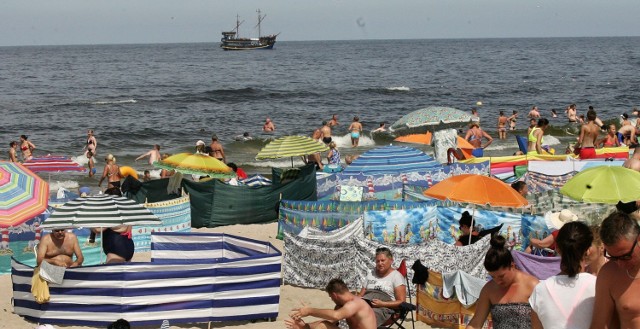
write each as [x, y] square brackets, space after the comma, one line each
[473, 214]
[291, 162]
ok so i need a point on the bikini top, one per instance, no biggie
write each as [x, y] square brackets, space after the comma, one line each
[533, 138]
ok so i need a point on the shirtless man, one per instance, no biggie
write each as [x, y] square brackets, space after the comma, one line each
[268, 126]
[216, 149]
[534, 114]
[326, 132]
[474, 136]
[634, 161]
[588, 136]
[13, 154]
[58, 249]
[334, 121]
[349, 307]
[153, 154]
[572, 112]
[617, 301]
[627, 130]
[356, 129]
[315, 158]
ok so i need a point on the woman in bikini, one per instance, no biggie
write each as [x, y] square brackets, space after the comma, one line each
[26, 147]
[355, 128]
[92, 143]
[111, 172]
[512, 120]
[502, 126]
[611, 139]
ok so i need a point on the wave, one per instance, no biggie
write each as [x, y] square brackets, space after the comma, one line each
[401, 88]
[67, 184]
[124, 101]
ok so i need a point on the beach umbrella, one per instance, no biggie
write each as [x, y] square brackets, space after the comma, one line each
[291, 146]
[604, 184]
[477, 190]
[196, 164]
[53, 164]
[391, 160]
[100, 211]
[23, 195]
[431, 116]
[416, 138]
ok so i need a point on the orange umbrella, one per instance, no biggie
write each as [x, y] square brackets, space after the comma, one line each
[416, 138]
[476, 189]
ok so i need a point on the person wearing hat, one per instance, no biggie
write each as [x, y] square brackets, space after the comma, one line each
[465, 227]
[111, 172]
[217, 151]
[557, 219]
[474, 136]
[200, 148]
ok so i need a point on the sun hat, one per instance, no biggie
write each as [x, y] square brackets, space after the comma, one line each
[200, 142]
[562, 217]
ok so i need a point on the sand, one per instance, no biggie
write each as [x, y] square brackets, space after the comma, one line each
[290, 297]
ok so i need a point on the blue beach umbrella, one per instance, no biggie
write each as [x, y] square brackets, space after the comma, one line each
[391, 160]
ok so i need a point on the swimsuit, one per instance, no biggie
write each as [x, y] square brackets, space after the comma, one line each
[511, 315]
[478, 153]
[355, 135]
[117, 243]
[335, 157]
[326, 140]
[587, 153]
[24, 148]
[532, 139]
[609, 143]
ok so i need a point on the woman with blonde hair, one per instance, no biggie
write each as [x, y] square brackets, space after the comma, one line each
[334, 155]
[111, 172]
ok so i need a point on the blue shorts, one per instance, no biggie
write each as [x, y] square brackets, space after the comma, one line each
[478, 153]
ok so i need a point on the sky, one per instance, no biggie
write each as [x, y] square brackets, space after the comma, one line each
[71, 22]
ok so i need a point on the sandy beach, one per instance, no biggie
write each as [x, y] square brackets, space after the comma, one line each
[290, 297]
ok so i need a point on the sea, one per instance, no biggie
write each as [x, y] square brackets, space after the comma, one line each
[136, 95]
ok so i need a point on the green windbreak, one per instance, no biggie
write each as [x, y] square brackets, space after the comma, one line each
[214, 203]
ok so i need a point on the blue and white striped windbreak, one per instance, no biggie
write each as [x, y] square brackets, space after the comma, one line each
[191, 278]
[391, 160]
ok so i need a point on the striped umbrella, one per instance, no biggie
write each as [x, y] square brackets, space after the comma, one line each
[100, 211]
[392, 160]
[53, 164]
[431, 116]
[23, 195]
[291, 146]
[196, 164]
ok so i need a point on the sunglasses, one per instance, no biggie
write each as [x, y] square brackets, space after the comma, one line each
[624, 257]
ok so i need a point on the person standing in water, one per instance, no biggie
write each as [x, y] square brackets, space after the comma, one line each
[153, 154]
[588, 136]
[356, 129]
[502, 125]
[26, 147]
[268, 126]
[474, 136]
[13, 154]
[92, 143]
[535, 137]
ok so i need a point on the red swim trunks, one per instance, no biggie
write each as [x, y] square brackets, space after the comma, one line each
[587, 153]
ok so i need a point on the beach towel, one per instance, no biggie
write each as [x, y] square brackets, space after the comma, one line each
[463, 286]
[539, 266]
[39, 287]
[443, 140]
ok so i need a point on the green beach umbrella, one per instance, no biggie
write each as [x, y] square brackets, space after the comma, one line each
[431, 116]
[604, 184]
[291, 146]
[100, 211]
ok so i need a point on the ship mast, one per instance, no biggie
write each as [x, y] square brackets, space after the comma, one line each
[260, 18]
[237, 26]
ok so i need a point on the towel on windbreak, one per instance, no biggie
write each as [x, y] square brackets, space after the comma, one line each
[39, 287]
[465, 286]
[539, 266]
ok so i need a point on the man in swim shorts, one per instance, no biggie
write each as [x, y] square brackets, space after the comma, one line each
[588, 135]
[355, 128]
[326, 132]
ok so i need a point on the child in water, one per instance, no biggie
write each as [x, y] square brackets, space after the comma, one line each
[92, 170]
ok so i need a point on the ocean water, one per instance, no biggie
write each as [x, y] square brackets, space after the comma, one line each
[135, 96]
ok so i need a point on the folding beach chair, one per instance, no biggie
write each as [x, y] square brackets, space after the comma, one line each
[400, 315]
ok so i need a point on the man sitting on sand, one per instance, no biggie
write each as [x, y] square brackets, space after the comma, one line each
[616, 302]
[349, 307]
[58, 249]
